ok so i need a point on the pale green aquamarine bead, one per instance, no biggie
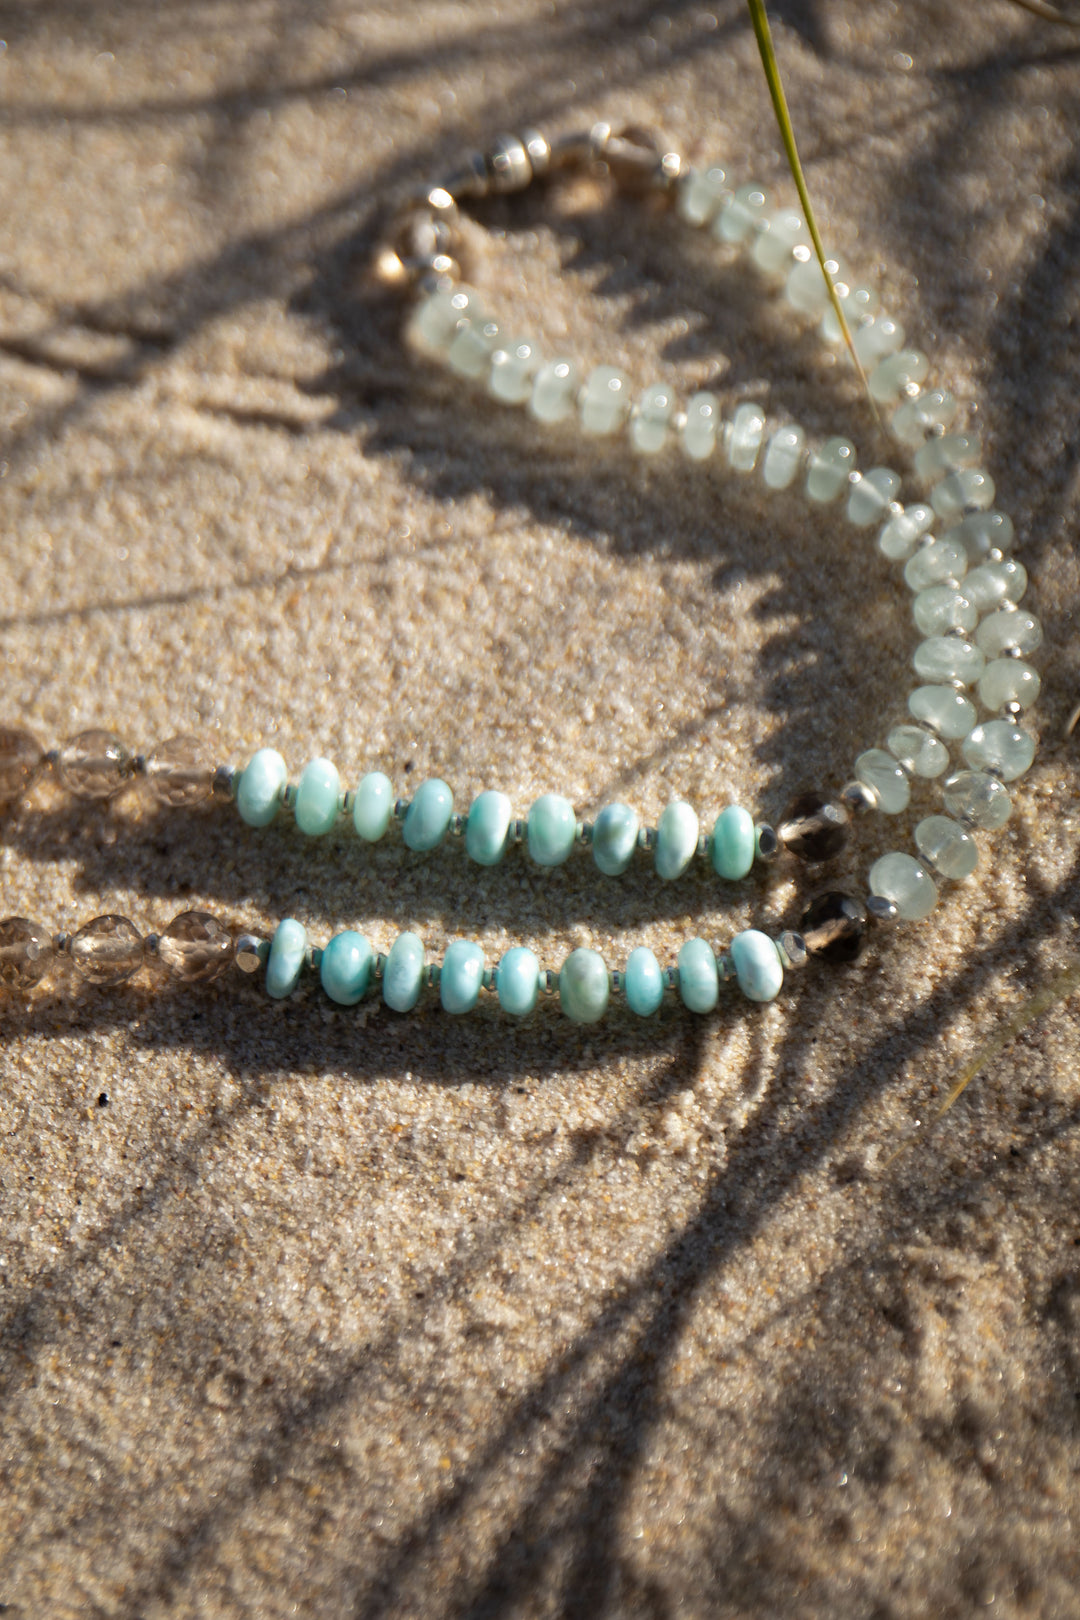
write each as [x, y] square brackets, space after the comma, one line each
[288, 953]
[514, 366]
[941, 608]
[1000, 748]
[676, 840]
[644, 982]
[780, 234]
[700, 429]
[857, 303]
[261, 787]
[946, 847]
[699, 977]
[991, 584]
[946, 710]
[918, 751]
[977, 800]
[487, 828]
[614, 838]
[1007, 630]
[517, 981]
[947, 658]
[554, 391]
[741, 215]
[474, 343]
[949, 453]
[604, 403]
[758, 968]
[428, 816]
[701, 194]
[888, 781]
[983, 532]
[871, 496]
[805, 288]
[551, 829]
[650, 426]
[1009, 680]
[892, 376]
[461, 976]
[830, 466]
[785, 457]
[900, 878]
[435, 323]
[972, 487]
[912, 421]
[876, 338]
[584, 986]
[373, 806]
[345, 969]
[901, 533]
[939, 562]
[733, 843]
[744, 437]
[318, 798]
[403, 973]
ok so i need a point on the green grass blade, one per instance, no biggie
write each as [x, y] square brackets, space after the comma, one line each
[1039, 8]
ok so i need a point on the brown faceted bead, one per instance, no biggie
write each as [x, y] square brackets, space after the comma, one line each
[107, 950]
[196, 947]
[93, 765]
[813, 827]
[20, 756]
[833, 927]
[25, 952]
[179, 772]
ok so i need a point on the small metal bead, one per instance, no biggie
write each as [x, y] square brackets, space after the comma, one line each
[401, 809]
[250, 952]
[434, 973]
[703, 845]
[62, 944]
[858, 798]
[456, 828]
[51, 758]
[671, 978]
[519, 830]
[508, 165]
[584, 832]
[615, 981]
[488, 979]
[378, 967]
[551, 981]
[725, 964]
[792, 948]
[647, 838]
[881, 910]
[766, 842]
[288, 798]
[223, 782]
[137, 765]
[150, 944]
[348, 801]
[538, 148]
[1012, 711]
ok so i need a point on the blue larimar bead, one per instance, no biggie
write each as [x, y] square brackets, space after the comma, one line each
[345, 969]
[487, 828]
[373, 806]
[403, 975]
[699, 981]
[676, 840]
[318, 798]
[552, 828]
[261, 786]
[428, 816]
[517, 980]
[757, 965]
[584, 986]
[614, 838]
[462, 976]
[733, 843]
[644, 982]
[288, 950]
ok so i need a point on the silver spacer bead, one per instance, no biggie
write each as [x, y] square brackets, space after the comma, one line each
[792, 948]
[615, 980]
[508, 165]
[137, 765]
[223, 782]
[288, 798]
[401, 809]
[378, 967]
[250, 952]
[725, 964]
[858, 798]
[881, 910]
[488, 979]
[151, 944]
[646, 837]
[62, 943]
[51, 757]
[1012, 711]
[671, 978]
[766, 843]
[456, 828]
[538, 148]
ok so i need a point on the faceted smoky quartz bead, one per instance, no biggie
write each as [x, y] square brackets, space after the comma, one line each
[813, 827]
[25, 952]
[833, 926]
[106, 950]
[93, 765]
[195, 947]
[179, 772]
[20, 756]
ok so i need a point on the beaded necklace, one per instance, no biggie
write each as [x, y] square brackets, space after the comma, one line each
[954, 548]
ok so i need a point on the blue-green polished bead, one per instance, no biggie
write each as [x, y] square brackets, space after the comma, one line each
[552, 828]
[318, 798]
[261, 786]
[757, 965]
[462, 976]
[614, 838]
[583, 986]
[373, 806]
[643, 982]
[428, 816]
[517, 980]
[676, 840]
[733, 843]
[288, 949]
[487, 828]
[699, 980]
[345, 969]
[403, 975]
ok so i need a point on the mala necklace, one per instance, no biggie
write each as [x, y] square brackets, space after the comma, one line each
[954, 549]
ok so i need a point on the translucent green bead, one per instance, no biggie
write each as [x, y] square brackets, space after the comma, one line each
[261, 788]
[947, 658]
[946, 847]
[1007, 631]
[373, 806]
[993, 583]
[461, 977]
[318, 798]
[733, 843]
[487, 828]
[892, 376]
[676, 840]
[977, 800]
[604, 404]
[857, 304]
[644, 982]
[972, 487]
[584, 986]
[943, 708]
[650, 426]
[741, 215]
[437, 319]
[982, 532]
[876, 338]
[1009, 680]
[937, 563]
[699, 430]
[901, 533]
[781, 232]
[912, 421]
[345, 968]
[918, 751]
[701, 194]
[472, 347]
[514, 366]
[887, 780]
[614, 838]
[428, 816]
[699, 977]
[805, 288]
[517, 981]
[899, 877]
[554, 391]
[403, 973]
[758, 968]
[947, 454]
[1001, 748]
[744, 437]
[870, 496]
[288, 953]
[829, 468]
[941, 608]
[552, 829]
[785, 456]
